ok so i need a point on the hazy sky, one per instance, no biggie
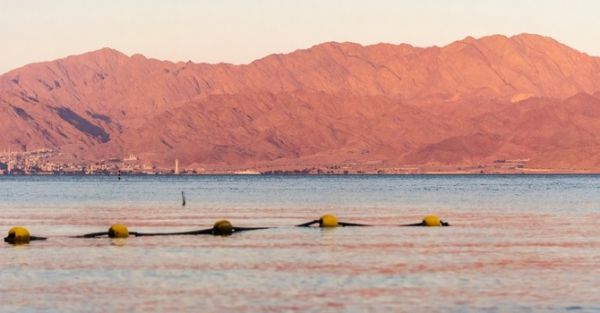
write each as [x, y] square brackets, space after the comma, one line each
[239, 31]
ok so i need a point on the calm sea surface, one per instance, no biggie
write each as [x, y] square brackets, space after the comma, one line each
[517, 244]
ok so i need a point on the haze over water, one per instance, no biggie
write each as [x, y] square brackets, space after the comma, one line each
[517, 243]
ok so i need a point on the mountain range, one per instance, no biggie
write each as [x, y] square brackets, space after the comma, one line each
[471, 103]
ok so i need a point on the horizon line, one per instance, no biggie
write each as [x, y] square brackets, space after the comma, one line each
[521, 34]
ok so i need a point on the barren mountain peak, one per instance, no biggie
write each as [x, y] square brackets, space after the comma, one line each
[102, 53]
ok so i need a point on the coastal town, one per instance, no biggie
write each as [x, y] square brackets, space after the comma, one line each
[51, 162]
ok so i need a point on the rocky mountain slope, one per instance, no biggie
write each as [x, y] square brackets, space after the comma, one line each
[474, 101]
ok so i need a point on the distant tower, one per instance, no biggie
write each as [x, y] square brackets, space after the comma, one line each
[176, 167]
[9, 165]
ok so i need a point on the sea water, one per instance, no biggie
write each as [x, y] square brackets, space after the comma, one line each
[517, 243]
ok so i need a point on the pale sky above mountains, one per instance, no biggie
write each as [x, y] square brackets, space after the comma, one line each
[239, 31]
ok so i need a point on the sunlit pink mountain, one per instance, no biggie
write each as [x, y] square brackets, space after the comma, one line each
[472, 102]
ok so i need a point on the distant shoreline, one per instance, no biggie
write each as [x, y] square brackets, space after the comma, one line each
[529, 173]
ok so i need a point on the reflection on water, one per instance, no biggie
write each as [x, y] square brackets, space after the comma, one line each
[519, 243]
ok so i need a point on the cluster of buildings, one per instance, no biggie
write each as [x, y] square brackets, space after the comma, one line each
[50, 162]
[31, 162]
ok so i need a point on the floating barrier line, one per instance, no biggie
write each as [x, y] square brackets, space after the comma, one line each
[20, 235]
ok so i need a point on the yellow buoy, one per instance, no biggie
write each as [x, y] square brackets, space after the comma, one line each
[118, 231]
[432, 220]
[328, 220]
[18, 235]
[222, 228]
